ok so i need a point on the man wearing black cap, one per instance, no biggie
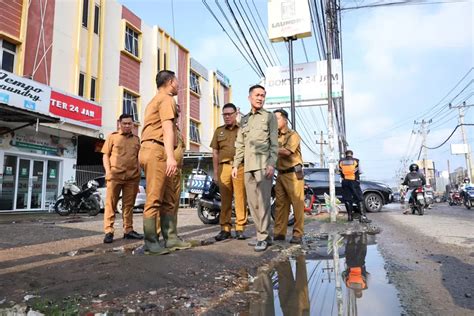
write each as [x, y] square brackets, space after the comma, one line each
[289, 188]
[351, 191]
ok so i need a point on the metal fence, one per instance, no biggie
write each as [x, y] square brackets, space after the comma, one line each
[85, 173]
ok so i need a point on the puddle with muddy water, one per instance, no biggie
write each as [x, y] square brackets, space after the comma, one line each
[339, 275]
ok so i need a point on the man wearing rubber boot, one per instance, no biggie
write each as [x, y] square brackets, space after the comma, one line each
[257, 144]
[289, 188]
[169, 223]
[223, 145]
[351, 193]
[157, 158]
[122, 173]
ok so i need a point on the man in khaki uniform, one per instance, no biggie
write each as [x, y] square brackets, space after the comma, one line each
[223, 145]
[122, 173]
[157, 159]
[257, 144]
[289, 190]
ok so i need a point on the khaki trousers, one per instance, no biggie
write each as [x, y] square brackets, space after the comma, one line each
[259, 190]
[228, 187]
[129, 191]
[293, 293]
[289, 191]
[160, 192]
[177, 189]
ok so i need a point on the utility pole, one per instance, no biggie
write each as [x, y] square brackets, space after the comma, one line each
[322, 142]
[329, 39]
[467, 155]
[424, 132]
[449, 175]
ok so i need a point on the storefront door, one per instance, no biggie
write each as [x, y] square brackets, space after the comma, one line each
[28, 183]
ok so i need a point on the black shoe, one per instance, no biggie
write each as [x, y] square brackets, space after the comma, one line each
[364, 219]
[279, 237]
[133, 235]
[223, 236]
[240, 235]
[296, 240]
[109, 238]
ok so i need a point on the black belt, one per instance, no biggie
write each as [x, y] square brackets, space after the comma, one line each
[157, 142]
[292, 169]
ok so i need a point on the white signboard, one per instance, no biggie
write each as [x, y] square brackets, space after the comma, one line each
[288, 18]
[459, 149]
[24, 93]
[310, 84]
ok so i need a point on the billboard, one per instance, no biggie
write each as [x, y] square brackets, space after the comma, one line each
[310, 82]
[288, 18]
[459, 149]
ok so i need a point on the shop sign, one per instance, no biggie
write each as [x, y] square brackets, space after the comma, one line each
[52, 173]
[76, 110]
[288, 18]
[24, 93]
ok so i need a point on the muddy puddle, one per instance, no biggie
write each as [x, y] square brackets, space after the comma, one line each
[338, 275]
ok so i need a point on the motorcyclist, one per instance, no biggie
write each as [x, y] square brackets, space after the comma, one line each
[413, 180]
[466, 183]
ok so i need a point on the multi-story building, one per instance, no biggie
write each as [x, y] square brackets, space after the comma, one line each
[68, 69]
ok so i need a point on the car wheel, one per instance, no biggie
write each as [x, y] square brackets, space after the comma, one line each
[119, 206]
[373, 202]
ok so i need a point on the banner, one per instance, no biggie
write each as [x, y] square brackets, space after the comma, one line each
[288, 18]
[76, 111]
[24, 93]
[310, 82]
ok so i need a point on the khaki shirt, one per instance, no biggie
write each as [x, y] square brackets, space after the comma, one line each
[161, 108]
[290, 140]
[224, 141]
[122, 150]
[257, 141]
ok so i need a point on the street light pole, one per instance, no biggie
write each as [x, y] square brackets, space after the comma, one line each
[332, 180]
[292, 82]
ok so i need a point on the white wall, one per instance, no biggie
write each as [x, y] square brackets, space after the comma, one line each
[206, 114]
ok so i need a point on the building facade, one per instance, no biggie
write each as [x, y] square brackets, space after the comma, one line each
[68, 70]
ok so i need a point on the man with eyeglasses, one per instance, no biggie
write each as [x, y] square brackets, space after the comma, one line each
[122, 173]
[223, 145]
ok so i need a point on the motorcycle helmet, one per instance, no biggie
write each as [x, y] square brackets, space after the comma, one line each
[349, 153]
[414, 167]
[466, 180]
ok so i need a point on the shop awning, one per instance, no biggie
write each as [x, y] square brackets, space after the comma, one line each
[12, 114]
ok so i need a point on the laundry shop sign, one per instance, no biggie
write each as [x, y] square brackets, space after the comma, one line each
[24, 93]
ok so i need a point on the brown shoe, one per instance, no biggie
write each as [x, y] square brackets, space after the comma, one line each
[279, 237]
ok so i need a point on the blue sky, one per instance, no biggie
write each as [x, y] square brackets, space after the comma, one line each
[399, 62]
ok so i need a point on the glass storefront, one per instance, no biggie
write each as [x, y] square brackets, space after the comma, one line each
[28, 183]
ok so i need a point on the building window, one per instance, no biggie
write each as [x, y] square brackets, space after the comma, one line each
[158, 63]
[85, 12]
[164, 61]
[194, 82]
[216, 96]
[80, 90]
[131, 41]
[96, 19]
[93, 81]
[130, 105]
[7, 55]
[194, 132]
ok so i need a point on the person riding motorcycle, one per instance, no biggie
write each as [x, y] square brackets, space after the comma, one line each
[466, 183]
[413, 180]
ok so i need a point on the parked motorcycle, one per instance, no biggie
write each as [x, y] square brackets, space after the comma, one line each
[455, 198]
[468, 197]
[74, 200]
[417, 201]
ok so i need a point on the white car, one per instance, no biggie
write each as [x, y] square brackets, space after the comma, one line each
[139, 200]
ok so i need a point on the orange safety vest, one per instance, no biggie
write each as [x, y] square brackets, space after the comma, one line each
[355, 279]
[349, 168]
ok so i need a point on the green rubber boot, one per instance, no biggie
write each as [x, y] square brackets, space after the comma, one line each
[152, 246]
[170, 233]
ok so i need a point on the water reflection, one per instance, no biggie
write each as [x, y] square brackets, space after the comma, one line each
[330, 282]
